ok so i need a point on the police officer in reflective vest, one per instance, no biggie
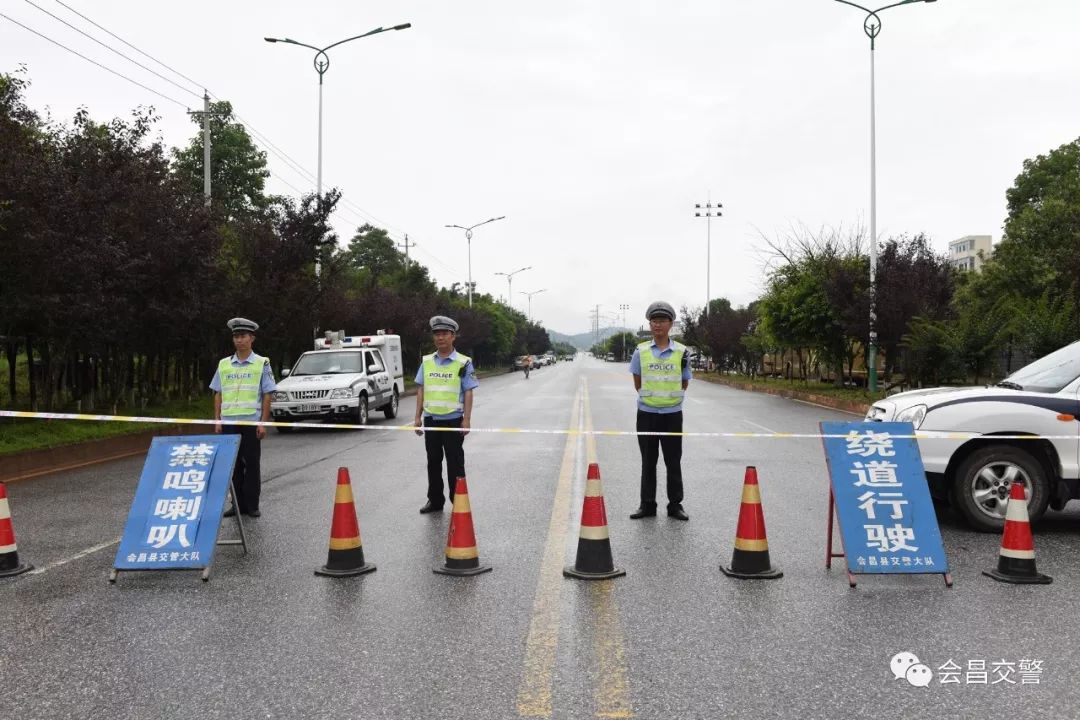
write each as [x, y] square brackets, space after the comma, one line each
[661, 376]
[243, 385]
[445, 383]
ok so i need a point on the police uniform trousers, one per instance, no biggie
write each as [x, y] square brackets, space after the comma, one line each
[436, 444]
[246, 479]
[650, 446]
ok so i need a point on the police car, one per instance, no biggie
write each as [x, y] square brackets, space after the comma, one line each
[344, 378]
[1040, 401]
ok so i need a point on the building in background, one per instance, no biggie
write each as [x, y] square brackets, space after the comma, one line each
[971, 252]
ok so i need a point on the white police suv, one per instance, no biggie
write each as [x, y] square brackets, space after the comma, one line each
[344, 378]
[1040, 403]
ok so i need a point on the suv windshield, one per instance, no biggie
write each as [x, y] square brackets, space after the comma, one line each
[1050, 373]
[329, 363]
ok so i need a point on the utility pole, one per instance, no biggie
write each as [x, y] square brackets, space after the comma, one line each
[205, 114]
[406, 245]
[710, 211]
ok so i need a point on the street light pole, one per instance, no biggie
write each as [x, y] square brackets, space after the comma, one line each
[708, 211]
[322, 64]
[872, 28]
[468, 239]
[530, 294]
[509, 284]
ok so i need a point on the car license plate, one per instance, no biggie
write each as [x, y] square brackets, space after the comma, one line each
[308, 408]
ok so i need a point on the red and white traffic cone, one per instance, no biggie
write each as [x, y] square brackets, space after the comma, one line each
[594, 561]
[346, 555]
[750, 558]
[9, 553]
[462, 557]
[1016, 560]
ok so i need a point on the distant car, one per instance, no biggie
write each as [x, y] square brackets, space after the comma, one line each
[974, 475]
[610, 357]
[520, 362]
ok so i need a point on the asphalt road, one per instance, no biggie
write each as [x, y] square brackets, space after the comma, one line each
[674, 638]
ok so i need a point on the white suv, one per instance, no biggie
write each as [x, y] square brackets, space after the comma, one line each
[1040, 401]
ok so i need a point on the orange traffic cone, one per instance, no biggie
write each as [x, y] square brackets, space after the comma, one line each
[1016, 561]
[462, 557]
[594, 561]
[751, 556]
[9, 554]
[346, 555]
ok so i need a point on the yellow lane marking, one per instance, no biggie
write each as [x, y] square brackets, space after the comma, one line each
[535, 691]
[612, 692]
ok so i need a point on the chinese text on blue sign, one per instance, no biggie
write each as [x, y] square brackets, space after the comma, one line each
[174, 518]
[887, 519]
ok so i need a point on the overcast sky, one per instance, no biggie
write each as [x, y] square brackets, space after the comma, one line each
[595, 126]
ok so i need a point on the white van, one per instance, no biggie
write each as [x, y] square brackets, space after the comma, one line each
[344, 378]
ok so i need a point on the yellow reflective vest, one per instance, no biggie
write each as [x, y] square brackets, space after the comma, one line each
[240, 386]
[661, 378]
[442, 385]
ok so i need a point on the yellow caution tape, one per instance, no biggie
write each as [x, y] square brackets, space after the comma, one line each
[922, 435]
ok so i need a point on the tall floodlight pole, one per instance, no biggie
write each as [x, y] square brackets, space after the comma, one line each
[708, 211]
[509, 284]
[530, 294]
[468, 239]
[872, 28]
[322, 64]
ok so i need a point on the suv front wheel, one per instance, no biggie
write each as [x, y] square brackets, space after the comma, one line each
[362, 411]
[981, 488]
[390, 411]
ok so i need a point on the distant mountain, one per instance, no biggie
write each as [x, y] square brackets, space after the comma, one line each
[585, 340]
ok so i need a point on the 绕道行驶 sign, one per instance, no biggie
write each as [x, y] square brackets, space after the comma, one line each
[887, 520]
[174, 519]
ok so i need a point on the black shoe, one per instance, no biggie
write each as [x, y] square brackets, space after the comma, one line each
[231, 512]
[253, 513]
[678, 513]
[643, 512]
[429, 508]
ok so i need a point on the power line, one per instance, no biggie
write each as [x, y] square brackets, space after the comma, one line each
[111, 49]
[177, 72]
[94, 62]
[361, 214]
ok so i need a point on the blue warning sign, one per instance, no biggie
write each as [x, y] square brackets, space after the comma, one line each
[887, 519]
[174, 518]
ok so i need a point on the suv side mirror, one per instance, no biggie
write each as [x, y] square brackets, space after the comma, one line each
[375, 368]
[285, 372]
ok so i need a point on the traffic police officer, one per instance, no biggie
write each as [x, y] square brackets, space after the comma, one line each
[661, 376]
[242, 387]
[445, 383]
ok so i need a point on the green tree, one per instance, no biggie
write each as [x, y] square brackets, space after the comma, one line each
[238, 169]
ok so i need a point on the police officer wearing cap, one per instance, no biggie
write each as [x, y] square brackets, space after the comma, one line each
[243, 385]
[661, 375]
[445, 383]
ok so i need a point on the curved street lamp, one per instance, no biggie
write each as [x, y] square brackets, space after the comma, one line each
[468, 238]
[322, 64]
[509, 284]
[872, 28]
[530, 294]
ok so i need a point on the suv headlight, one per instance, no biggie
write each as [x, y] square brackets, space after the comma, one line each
[341, 393]
[913, 415]
[281, 396]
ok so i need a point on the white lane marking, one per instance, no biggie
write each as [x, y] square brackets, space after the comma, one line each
[751, 422]
[84, 553]
[807, 402]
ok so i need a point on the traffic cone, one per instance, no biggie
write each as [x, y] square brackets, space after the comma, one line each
[1016, 560]
[751, 556]
[594, 561]
[9, 554]
[462, 557]
[346, 555]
